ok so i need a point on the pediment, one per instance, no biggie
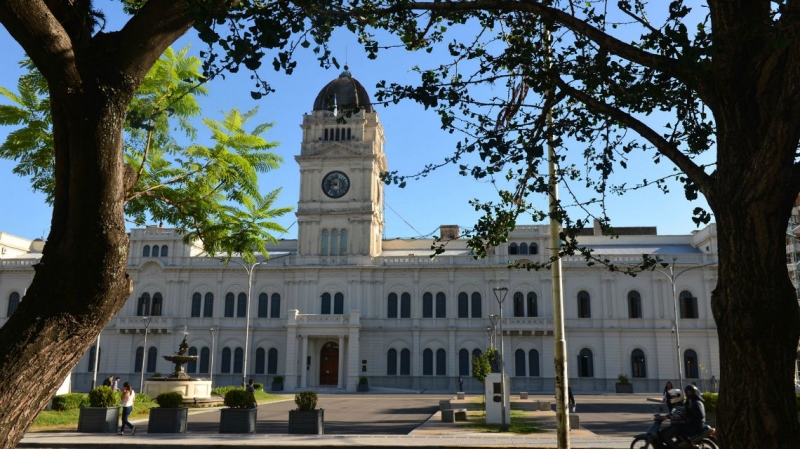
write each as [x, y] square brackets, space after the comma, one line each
[335, 150]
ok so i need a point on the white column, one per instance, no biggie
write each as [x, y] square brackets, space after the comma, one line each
[340, 380]
[304, 362]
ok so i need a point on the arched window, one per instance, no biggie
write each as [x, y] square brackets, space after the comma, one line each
[226, 361]
[272, 361]
[205, 355]
[634, 304]
[391, 362]
[261, 361]
[152, 359]
[533, 363]
[585, 363]
[533, 248]
[338, 304]
[13, 303]
[463, 362]
[92, 350]
[463, 305]
[513, 249]
[164, 251]
[343, 242]
[519, 304]
[146, 251]
[690, 364]
[241, 305]
[638, 366]
[405, 305]
[323, 250]
[158, 305]
[584, 305]
[191, 367]
[441, 305]
[325, 305]
[143, 305]
[533, 307]
[197, 304]
[476, 352]
[326, 134]
[275, 306]
[208, 306]
[476, 305]
[519, 363]
[263, 303]
[230, 300]
[155, 251]
[523, 248]
[334, 242]
[138, 360]
[427, 362]
[688, 304]
[391, 306]
[427, 305]
[238, 360]
[405, 362]
[441, 362]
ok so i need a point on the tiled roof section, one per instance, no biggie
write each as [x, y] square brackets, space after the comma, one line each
[343, 92]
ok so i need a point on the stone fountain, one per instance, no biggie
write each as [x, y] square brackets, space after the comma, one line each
[179, 381]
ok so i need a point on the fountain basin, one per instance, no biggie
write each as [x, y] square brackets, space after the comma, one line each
[190, 388]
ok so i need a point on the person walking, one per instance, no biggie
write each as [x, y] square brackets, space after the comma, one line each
[665, 396]
[251, 388]
[571, 398]
[109, 381]
[460, 383]
[127, 399]
[115, 386]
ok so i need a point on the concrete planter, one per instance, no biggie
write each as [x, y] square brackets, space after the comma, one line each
[307, 422]
[98, 419]
[624, 388]
[237, 420]
[168, 420]
[362, 387]
[277, 386]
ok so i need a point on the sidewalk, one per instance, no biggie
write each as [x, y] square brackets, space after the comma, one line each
[432, 433]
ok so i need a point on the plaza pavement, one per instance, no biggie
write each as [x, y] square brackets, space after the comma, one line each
[351, 421]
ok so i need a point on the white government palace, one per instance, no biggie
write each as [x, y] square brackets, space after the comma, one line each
[340, 302]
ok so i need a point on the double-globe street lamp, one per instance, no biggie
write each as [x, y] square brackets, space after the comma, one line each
[672, 277]
[500, 293]
[213, 332]
[146, 321]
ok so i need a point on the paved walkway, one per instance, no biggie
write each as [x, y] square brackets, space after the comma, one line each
[431, 433]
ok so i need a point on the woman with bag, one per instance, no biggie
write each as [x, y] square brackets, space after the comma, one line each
[126, 401]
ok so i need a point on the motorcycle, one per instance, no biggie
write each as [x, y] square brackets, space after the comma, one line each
[653, 438]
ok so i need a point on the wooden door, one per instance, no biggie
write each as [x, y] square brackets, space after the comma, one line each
[329, 364]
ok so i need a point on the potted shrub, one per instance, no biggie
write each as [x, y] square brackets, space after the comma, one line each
[239, 417]
[170, 416]
[307, 419]
[102, 414]
[623, 384]
[363, 384]
[277, 383]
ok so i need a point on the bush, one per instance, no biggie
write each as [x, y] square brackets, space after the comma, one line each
[306, 401]
[170, 399]
[258, 386]
[237, 398]
[363, 381]
[222, 391]
[103, 397]
[710, 401]
[142, 399]
[623, 379]
[70, 401]
[277, 380]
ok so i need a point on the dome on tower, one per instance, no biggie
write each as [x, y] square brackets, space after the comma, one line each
[343, 91]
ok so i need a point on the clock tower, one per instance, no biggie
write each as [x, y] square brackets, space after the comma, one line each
[340, 212]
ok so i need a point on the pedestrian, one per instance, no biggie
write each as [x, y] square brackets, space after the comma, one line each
[571, 398]
[109, 381]
[251, 388]
[126, 401]
[115, 386]
[713, 384]
[460, 383]
[665, 397]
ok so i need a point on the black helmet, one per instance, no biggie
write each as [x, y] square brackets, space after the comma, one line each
[691, 390]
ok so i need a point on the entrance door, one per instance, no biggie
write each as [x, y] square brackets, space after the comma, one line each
[329, 364]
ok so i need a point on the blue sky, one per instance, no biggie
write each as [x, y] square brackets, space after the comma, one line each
[413, 139]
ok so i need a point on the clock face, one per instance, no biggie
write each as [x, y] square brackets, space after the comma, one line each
[335, 184]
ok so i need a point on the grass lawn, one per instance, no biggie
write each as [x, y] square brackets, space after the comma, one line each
[521, 423]
[48, 420]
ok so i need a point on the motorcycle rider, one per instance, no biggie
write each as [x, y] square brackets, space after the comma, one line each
[688, 420]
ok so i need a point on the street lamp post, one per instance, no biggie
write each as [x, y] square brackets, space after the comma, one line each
[500, 293]
[250, 269]
[213, 332]
[672, 277]
[494, 319]
[96, 360]
[147, 321]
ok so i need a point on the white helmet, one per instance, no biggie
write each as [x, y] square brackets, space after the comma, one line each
[675, 396]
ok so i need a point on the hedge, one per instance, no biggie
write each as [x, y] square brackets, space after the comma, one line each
[70, 401]
[710, 401]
